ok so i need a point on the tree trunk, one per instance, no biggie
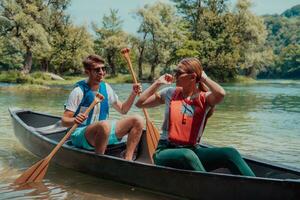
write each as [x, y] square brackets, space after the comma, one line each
[141, 57]
[153, 66]
[45, 65]
[251, 72]
[152, 72]
[140, 63]
[28, 62]
[111, 64]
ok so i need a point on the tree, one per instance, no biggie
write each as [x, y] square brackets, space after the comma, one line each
[284, 38]
[289, 61]
[25, 32]
[110, 39]
[224, 41]
[161, 35]
[70, 48]
[251, 33]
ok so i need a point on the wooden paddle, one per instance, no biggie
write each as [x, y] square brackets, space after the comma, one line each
[37, 172]
[152, 134]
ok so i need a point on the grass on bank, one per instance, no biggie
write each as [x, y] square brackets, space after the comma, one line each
[45, 79]
[244, 79]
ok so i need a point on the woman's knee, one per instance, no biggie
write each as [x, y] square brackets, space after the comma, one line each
[230, 152]
[188, 156]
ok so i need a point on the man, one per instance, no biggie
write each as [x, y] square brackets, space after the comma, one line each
[95, 131]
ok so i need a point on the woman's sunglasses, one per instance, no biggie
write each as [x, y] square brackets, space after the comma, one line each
[178, 72]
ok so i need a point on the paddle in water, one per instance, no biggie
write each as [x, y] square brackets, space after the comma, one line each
[37, 172]
[152, 134]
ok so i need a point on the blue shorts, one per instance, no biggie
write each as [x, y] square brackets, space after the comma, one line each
[78, 137]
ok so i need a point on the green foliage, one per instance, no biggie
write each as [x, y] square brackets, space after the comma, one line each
[162, 35]
[226, 42]
[110, 40]
[284, 39]
[292, 12]
[39, 34]
[70, 48]
[24, 30]
[289, 61]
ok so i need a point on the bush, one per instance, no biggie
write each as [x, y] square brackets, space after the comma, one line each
[41, 75]
[13, 77]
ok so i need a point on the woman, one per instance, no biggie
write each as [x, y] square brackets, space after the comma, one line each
[188, 106]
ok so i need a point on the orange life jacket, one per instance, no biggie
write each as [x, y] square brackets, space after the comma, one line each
[187, 118]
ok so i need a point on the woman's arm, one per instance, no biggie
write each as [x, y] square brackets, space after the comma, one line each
[149, 98]
[217, 92]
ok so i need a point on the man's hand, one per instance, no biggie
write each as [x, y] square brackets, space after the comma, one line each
[137, 88]
[80, 118]
[165, 79]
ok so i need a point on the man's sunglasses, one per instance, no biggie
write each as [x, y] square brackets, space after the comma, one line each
[98, 69]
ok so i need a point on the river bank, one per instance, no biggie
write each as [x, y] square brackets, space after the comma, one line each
[43, 79]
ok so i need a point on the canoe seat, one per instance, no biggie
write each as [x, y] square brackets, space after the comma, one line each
[113, 149]
[51, 129]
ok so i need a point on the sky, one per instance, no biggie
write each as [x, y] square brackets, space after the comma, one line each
[85, 12]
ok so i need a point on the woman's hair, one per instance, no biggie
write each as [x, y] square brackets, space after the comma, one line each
[193, 65]
[91, 61]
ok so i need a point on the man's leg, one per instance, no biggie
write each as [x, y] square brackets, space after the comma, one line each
[97, 135]
[133, 126]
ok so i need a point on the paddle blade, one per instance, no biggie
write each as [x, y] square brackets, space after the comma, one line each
[39, 177]
[152, 138]
[156, 134]
[28, 173]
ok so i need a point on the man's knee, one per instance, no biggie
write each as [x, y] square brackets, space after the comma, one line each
[138, 122]
[103, 127]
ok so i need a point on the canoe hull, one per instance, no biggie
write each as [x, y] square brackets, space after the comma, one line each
[188, 184]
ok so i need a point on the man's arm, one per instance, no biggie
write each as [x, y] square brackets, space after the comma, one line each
[74, 99]
[68, 120]
[123, 108]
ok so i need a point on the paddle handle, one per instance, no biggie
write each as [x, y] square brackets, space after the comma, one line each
[97, 99]
[125, 53]
[154, 137]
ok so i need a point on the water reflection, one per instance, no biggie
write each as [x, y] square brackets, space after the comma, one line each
[261, 120]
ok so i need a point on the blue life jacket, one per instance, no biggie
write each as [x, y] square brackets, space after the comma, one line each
[88, 98]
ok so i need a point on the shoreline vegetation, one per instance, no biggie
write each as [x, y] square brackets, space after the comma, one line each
[44, 80]
[230, 43]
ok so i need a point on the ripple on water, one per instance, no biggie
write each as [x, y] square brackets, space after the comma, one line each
[260, 120]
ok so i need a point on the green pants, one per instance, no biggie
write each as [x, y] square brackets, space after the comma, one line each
[201, 159]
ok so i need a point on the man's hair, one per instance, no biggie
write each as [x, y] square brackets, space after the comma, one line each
[91, 61]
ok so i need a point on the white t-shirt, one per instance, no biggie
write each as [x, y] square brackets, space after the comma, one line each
[76, 96]
[166, 94]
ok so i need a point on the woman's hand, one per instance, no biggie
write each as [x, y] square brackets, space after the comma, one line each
[136, 89]
[80, 118]
[203, 76]
[165, 79]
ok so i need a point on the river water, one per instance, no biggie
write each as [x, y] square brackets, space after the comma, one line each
[261, 120]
